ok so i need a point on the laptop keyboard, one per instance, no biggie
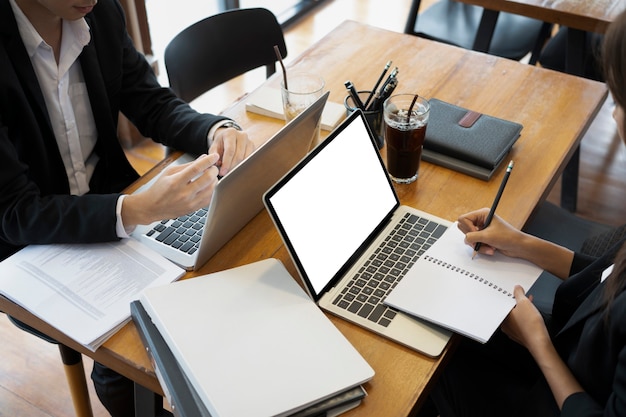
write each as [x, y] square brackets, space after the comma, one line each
[365, 292]
[183, 233]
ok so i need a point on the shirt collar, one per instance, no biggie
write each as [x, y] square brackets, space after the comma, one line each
[78, 30]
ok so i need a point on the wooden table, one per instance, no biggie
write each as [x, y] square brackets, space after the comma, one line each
[555, 110]
[580, 17]
[587, 15]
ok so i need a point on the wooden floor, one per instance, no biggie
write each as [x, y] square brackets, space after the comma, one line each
[32, 382]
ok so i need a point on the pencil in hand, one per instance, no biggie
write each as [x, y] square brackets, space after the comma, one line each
[495, 204]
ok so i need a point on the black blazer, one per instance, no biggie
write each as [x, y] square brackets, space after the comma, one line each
[593, 348]
[35, 205]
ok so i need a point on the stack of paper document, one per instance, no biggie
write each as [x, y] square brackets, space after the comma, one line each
[252, 343]
[84, 290]
[267, 101]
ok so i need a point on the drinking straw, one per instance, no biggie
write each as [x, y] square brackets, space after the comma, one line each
[408, 116]
[280, 59]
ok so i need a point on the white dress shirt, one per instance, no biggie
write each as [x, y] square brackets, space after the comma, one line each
[65, 94]
[67, 101]
[66, 98]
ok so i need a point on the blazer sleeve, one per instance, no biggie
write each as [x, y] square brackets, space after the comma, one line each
[575, 289]
[580, 262]
[131, 86]
[29, 216]
[594, 346]
[582, 404]
[35, 205]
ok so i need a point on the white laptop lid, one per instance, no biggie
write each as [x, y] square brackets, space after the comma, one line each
[337, 204]
[330, 206]
[238, 195]
[252, 342]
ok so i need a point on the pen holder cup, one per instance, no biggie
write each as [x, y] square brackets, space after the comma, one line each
[374, 118]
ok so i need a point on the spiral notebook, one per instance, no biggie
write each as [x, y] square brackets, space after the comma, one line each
[467, 141]
[468, 296]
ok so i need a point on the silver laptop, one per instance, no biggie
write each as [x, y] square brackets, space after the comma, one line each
[191, 240]
[350, 239]
[273, 355]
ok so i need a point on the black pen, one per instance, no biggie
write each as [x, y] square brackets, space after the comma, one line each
[380, 92]
[373, 92]
[355, 96]
[392, 76]
[495, 204]
[391, 85]
[384, 92]
[383, 95]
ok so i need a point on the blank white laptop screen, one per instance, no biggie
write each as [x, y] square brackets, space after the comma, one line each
[360, 197]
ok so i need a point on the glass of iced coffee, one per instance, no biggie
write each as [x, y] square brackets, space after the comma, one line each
[406, 118]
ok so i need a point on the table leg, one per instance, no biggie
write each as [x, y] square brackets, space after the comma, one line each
[574, 55]
[569, 182]
[485, 31]
[574, 64]
[75, 373]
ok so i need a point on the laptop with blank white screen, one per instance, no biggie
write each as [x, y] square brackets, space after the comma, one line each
[350, 239]
[191, 240]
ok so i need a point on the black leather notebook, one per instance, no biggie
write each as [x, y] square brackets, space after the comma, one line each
[467, 141]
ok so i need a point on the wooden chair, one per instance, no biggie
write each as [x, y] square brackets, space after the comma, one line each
[459, 24]
[74, 371]
[221, 47]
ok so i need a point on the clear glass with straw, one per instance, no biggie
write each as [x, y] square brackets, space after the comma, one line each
[299, 90]
[302, 91]
[406, 119]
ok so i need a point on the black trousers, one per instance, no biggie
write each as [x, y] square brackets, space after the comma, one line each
[116, 392]
[499, 378]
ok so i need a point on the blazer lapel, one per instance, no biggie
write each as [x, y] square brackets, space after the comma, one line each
[20, 60]
[591, 305]
[113, 164]
[96, 87]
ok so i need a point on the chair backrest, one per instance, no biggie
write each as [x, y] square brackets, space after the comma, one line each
[456, 23]
[559, 225]
[221, 47]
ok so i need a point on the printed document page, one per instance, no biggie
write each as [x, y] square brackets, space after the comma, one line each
[469, 296]
[84, 290]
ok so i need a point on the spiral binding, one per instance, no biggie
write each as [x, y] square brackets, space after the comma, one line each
[468, 274]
